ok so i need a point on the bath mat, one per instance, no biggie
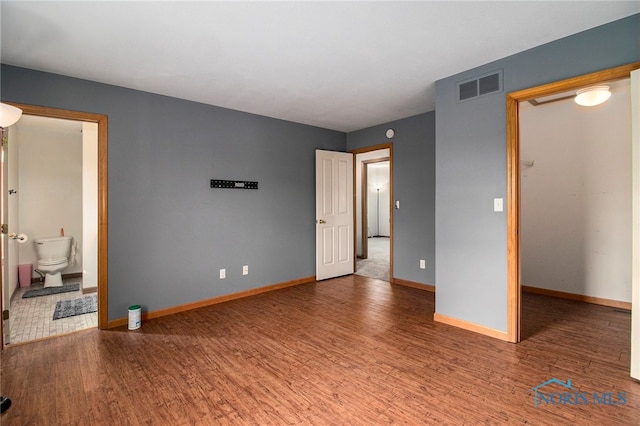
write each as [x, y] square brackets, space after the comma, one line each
[73, 307]
[46, 291]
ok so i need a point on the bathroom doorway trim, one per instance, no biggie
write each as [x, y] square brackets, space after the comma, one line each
[102, 122]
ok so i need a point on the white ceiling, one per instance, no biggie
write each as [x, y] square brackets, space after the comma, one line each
[337, 65]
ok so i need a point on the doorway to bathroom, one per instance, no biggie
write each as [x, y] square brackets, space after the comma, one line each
[55, 184]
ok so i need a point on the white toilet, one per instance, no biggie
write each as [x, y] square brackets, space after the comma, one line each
[53, 258]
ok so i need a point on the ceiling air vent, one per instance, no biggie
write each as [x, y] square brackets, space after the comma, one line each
[480, 86]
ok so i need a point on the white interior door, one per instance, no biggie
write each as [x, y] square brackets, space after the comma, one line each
[635, 277]
[334, 214]
[8, 264]
[9, 216]
[3, 249]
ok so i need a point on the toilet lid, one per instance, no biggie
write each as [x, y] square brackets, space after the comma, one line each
[51, 262]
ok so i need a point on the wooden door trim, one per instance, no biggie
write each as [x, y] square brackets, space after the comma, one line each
[514, 291]
[378, 147]
[102, 121]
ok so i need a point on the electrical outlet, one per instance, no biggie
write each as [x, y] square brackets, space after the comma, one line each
[423, 264]
[245, 270]
[223, 274]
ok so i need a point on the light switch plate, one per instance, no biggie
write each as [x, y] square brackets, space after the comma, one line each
[498, 205]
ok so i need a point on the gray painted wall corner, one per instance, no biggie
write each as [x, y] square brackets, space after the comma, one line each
[169, 233]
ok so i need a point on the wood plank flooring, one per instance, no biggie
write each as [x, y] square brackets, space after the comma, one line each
[347, 351]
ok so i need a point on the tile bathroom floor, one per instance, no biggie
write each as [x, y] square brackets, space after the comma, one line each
[33, 318]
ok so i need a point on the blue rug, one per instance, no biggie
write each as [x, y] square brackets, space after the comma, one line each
[73, 307]
[46, 291]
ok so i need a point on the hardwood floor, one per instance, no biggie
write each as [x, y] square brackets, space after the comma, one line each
[347, 351]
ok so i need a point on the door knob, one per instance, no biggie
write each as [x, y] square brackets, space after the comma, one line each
[320, 221]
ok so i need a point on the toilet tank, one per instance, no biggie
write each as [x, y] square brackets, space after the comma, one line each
[53, 247]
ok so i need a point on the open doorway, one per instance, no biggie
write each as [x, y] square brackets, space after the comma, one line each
[514, 296]
[53, 167]
[87, 222]
[575, 199]
[374, 224]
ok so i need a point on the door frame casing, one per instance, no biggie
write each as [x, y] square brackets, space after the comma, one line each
[102, 121]
[355, 152]
[514, 290]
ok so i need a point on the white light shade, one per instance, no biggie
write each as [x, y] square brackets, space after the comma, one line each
[592, 96]
[9, 115]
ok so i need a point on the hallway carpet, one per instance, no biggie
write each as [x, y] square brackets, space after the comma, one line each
[377, 263]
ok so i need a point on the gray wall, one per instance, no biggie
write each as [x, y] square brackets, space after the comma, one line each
[471, 251]
[169, 233]
[414, 186]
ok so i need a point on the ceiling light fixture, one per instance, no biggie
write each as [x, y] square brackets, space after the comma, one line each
[592, 96]
[8, 115]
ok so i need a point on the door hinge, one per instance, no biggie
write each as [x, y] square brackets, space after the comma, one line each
[5, 314]
[4, 228]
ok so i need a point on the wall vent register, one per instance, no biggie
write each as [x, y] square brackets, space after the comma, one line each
[233, 184]
[480, 86]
